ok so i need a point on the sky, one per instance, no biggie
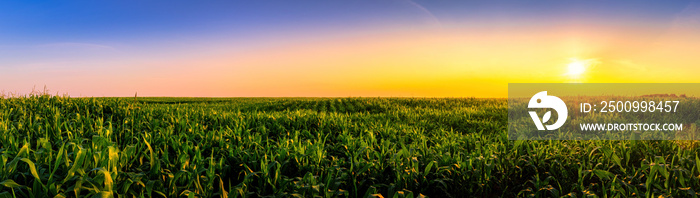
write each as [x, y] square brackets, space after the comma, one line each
[386, 48]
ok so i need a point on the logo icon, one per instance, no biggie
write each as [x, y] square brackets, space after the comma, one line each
[542, 100]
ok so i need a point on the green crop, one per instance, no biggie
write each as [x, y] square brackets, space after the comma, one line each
[314, 147]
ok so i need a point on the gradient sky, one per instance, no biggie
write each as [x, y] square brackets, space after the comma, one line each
[332, 48]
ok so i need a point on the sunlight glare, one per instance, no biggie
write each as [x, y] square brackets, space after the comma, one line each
[576, 68]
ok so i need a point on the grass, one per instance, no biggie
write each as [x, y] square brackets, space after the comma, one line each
[314, 147]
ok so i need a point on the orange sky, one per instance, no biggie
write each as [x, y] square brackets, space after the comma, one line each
[439, 63]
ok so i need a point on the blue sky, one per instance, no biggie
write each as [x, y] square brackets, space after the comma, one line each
[38, 22]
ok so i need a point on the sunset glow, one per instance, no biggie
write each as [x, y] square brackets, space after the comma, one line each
[372, 48]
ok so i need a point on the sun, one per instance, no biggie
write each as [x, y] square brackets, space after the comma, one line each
[576, 68]
[580, 70]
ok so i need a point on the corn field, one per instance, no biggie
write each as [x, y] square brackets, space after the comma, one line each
[54, 146]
